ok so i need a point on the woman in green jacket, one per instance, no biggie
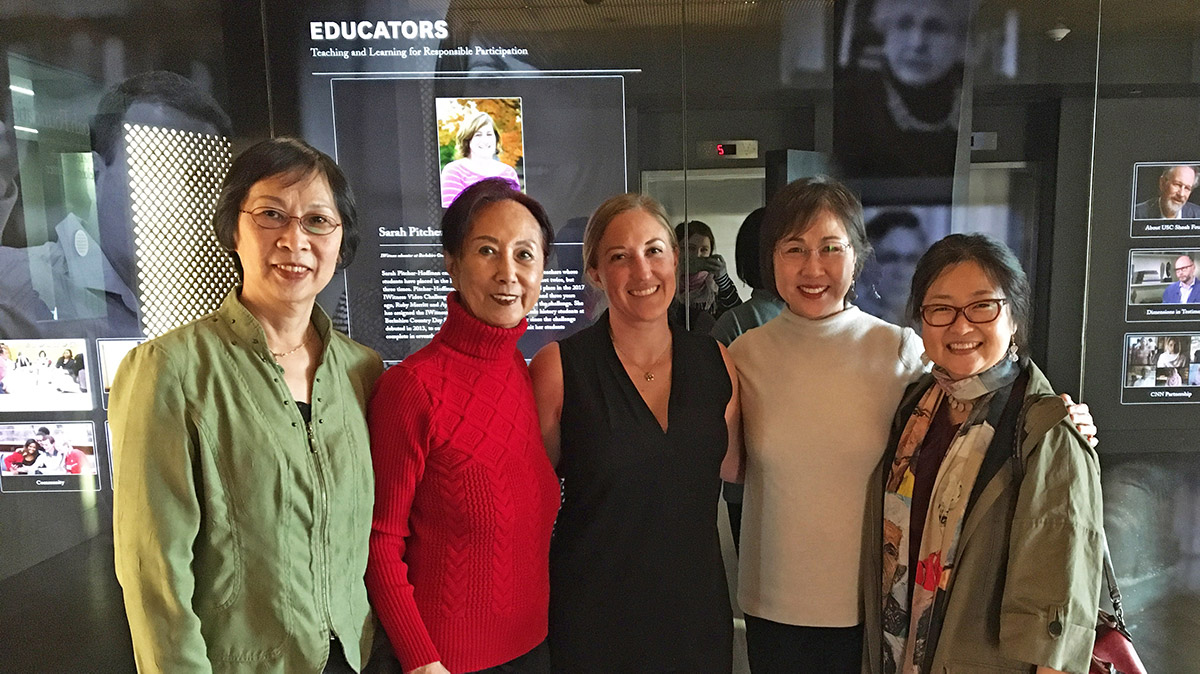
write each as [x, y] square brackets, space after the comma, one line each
[243, 486]
[988, 538]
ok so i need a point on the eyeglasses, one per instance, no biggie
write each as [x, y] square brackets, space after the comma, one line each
[941, 315]
[1186, 266]
[826, 252]
[273, 218]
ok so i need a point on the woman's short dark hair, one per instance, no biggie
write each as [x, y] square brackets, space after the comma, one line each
[456, 221]
[997, 262]
[795, 208]
[746, 254]
[293, 160]
[686, 230]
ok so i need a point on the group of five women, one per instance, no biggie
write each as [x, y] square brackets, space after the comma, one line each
[894, 519]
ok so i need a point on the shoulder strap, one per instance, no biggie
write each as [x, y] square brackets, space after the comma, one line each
[1019, 436]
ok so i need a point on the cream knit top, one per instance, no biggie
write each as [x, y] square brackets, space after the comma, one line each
[818, 398]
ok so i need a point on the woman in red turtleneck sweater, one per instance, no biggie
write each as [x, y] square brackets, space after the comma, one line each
[465, 497]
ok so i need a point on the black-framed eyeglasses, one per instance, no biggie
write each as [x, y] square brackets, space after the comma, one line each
[273, 218]
[981, 311]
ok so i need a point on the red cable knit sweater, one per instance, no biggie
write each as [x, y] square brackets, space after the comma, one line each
[465, 500]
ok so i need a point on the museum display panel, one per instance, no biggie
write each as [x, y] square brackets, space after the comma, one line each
[1067, 130]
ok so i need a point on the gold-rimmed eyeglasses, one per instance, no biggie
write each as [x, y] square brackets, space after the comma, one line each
[318, 224]
[826, 252]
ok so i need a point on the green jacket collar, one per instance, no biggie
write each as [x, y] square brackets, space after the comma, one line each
[246, 327]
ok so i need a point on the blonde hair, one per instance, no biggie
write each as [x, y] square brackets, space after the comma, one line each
[606, 212]
[467, 130]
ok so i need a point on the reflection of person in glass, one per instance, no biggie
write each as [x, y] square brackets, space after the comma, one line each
[478, 505]
[1175, 187]
[1182, 291]
[901, 112]
[476, 146]
[707, 288]
[73, 283]
[898, 241]
[243, 489]
[1171, 356]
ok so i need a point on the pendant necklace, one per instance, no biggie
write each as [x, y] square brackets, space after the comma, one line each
[307, 338]
[648, 372]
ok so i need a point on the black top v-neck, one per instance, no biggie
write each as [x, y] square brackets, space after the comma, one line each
[636, 578]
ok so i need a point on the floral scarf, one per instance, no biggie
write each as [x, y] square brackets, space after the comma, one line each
[910, 621]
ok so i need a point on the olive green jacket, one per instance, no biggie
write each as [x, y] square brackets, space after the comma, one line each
[241, 532]
[1029, 570]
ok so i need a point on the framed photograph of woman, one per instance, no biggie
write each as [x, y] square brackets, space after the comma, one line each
[479, 138]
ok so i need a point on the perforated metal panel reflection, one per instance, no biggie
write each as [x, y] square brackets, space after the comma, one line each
[174, 179]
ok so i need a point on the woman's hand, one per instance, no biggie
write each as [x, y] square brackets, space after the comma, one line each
[1082, 418]
[713, 264]
[431, 668]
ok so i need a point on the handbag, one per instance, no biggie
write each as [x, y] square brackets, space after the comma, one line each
[1112, 652]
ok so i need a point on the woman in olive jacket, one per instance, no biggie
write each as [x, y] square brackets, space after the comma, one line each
[243, 487]
[986, 528]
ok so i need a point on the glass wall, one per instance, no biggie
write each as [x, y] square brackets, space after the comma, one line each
[1052, 126]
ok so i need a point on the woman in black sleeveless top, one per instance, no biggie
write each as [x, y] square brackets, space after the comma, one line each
[638, 418]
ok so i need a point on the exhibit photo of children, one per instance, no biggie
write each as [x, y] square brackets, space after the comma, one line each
[1163, 191]
[43, 375]
[1163, 277]
[479, 138]
[66, 448]
[110, 352]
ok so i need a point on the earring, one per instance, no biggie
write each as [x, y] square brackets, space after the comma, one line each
[1012, 350]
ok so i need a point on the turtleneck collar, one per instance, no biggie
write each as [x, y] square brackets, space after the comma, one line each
[470, 336]
[815, 327]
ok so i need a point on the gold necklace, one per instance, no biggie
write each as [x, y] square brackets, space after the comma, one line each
[648, 373]
[307, 338]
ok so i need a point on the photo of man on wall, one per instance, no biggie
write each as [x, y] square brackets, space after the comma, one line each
[1172, 198]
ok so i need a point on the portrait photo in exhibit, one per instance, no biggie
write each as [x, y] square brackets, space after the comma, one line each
[899, 236]
[44, 375]
[897, 103]
[1164, 191]
[1162, 285]
[479, 138]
